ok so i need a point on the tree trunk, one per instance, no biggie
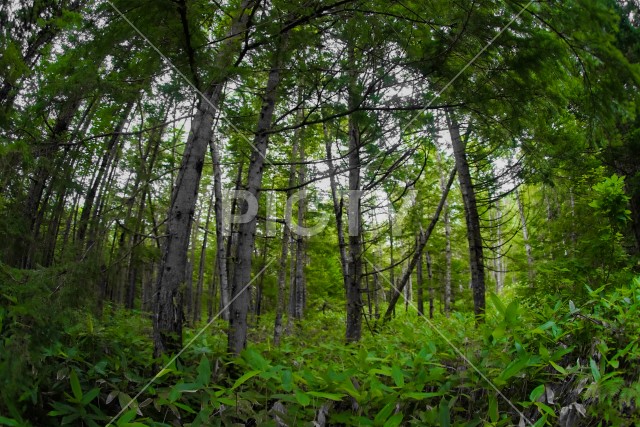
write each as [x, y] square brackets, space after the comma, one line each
[354, 297]
[337, 207]
[299, 294]
[430, 279]
[284, 250]
[419, 283]
[107, 157]
[417, 255]
[169, 316]
[221, 253]
[472, 218]
[197, 301]
[237, 335]
[525, 237]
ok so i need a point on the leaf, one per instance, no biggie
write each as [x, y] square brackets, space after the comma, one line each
[331, 396]
[422, 396]
[384, 413]
[302, 398]
[594, 370]
[8, 422]
[497, 303]
[443, 414]
[558, 367]
[75, 385]
[397, 375]
[204, 371]
[243, 379]
[112, 396]
[394, 421]
[511, 313]
[90, 396]
[127, 417]
[287, 380]
[514, 367]
[536, 392]
[493, 408]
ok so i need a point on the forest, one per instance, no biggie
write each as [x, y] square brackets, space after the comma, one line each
[320, 213]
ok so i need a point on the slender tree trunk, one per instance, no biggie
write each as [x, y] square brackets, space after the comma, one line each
[446, 219]
[369, 291]
[148, 160]
[237, 336]
[232, 243]
[472, 218]
[354, 297]
[499, 259]
[169, 317]
[417, 255]
[430, 279]
[337, 207]
[299, 294]
[419, 281]
[525, 237]
[221, 253]
[284, 250]
[393, 292]
[105, 162]
[197, 302]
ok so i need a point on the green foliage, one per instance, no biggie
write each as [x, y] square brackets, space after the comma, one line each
[610, 201]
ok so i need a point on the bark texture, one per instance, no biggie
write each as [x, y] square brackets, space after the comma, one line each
[472, 218]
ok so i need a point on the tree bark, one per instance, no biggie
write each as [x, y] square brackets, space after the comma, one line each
[278, 329]
[197, 301]
[354, 297]
[419, 283]
[337, 207]
[472, 218]
[237, 335]
[430, 278]
[417, 255]
[525, 236]
[169, 316]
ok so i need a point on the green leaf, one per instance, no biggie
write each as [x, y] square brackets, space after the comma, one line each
[422, 396]
[384, 413]
[243, 379]
[594, 370]
[394, 421]
[514, 368]
[511, 313]
[493, 408]
[302, 398]
[127, 417]
[8, 422]
[397, 375]
[558, 367]
[331, 396]
[90, 396]
[443, 414]
[75, 385]
[204, 371]
[536, 393]
[497, 303]
[287, 380]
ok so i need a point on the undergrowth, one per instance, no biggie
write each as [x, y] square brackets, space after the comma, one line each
[550, 363]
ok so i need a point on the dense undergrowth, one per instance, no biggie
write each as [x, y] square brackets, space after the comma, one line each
[558, 361]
